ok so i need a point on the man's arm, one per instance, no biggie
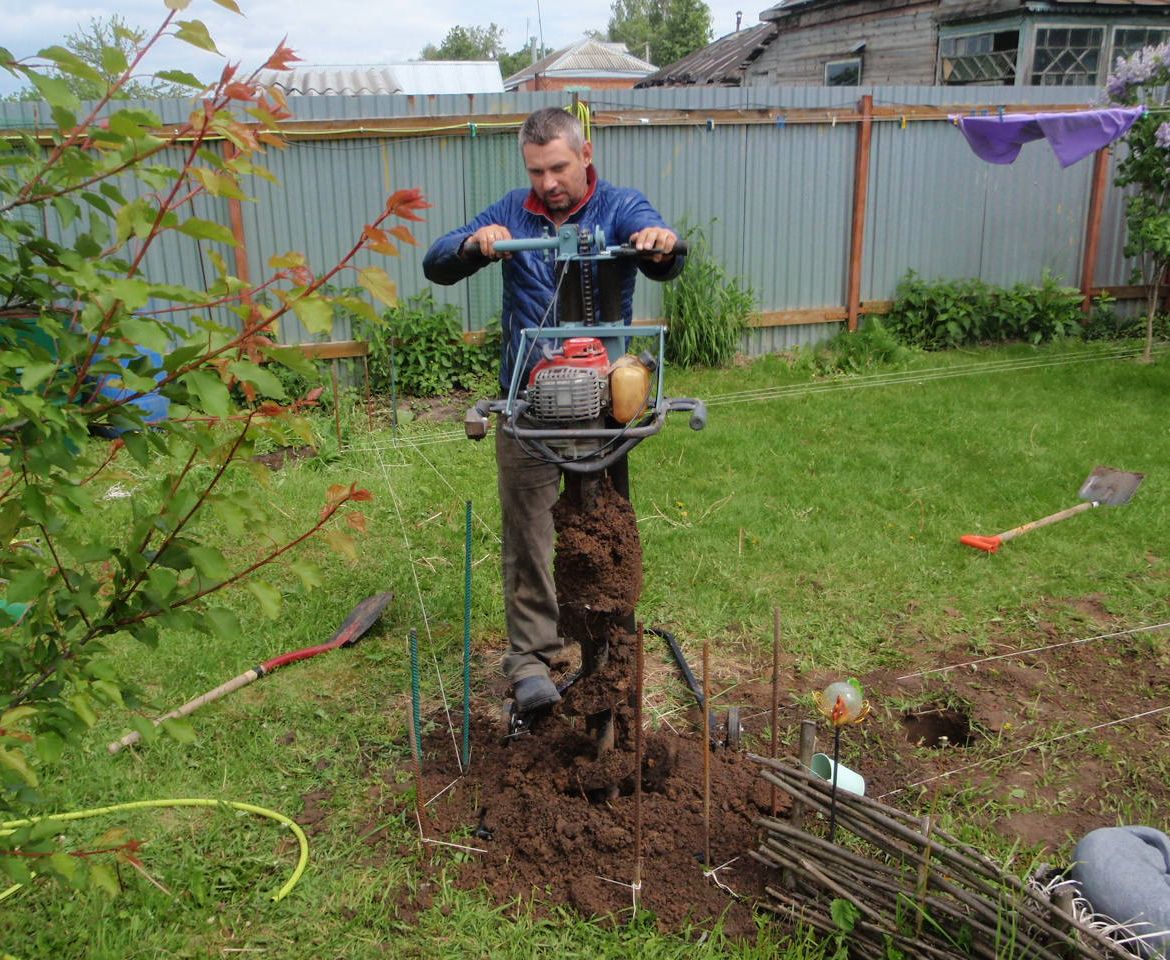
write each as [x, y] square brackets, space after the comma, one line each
[646, 230]
[448, 260]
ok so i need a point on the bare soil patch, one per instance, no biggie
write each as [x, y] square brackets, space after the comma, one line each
[1030, 743]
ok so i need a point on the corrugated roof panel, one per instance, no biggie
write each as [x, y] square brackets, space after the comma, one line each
[450, 76]
[413, 78]
[721, 62]
[588, 55]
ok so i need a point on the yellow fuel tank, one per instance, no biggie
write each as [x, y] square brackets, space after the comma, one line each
[629, 388]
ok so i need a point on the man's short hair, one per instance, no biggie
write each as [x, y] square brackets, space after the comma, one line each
[547, 124]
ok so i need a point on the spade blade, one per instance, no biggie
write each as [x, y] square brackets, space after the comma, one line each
[1110, 486]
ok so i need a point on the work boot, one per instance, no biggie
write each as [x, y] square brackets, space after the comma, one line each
[534, 692]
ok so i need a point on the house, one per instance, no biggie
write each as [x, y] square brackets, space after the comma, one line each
[418, 77]
[946, 42]
[585, 65]
[723, 63]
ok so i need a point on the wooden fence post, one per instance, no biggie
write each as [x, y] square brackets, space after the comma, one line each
[1093, 225]
[860, 195]
[236, 217]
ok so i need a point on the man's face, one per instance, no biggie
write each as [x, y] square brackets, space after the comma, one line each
[557, 172]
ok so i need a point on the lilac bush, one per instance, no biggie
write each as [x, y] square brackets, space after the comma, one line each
[1144, 78]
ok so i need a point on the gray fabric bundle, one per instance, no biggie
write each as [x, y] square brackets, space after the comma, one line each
[1124, 872]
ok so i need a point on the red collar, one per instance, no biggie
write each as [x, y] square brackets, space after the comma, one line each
[533, 203]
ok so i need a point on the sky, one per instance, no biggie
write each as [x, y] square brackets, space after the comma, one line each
[326, 32]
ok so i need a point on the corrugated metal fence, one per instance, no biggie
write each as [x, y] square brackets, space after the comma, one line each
[768, 172]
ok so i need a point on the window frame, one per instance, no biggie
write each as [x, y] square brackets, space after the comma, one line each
[984, 29]
[1039, 26]
[842, 61]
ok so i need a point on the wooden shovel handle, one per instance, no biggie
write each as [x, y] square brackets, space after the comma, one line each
[1045, 521]
[192, 705]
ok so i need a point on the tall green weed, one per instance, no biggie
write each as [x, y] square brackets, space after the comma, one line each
[707, 309]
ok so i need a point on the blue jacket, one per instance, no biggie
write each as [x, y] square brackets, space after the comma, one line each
[529, 276]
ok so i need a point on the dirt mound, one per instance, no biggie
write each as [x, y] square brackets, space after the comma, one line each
[552, 812]
[548, 838]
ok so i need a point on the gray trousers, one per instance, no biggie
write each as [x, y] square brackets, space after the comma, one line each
[528, 490]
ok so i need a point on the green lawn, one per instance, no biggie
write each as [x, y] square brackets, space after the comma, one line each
[838, 500]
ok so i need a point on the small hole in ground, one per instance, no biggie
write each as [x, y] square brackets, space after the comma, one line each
[938, 727]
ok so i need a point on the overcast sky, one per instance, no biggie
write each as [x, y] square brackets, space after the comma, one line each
[346, 32]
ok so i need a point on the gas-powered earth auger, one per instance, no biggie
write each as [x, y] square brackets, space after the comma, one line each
[585, 404]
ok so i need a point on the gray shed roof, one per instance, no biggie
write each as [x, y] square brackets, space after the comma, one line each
[787, 7]
[415, 77]
[585, 58]
[721, 63]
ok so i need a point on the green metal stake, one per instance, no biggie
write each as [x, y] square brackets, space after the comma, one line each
[467, 641]
[415, 693]
[393, 393]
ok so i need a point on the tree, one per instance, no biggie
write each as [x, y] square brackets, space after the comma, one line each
[511, 63]
[468, 43]
[85, 335]
[1142, 79]
[635, 23]
[686, 27]
[668, 29]
[107, 45]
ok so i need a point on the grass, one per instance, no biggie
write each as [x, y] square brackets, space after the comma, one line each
[841, 502]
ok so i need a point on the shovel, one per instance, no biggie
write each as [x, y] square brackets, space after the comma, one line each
[1104, 485]
[361, 618]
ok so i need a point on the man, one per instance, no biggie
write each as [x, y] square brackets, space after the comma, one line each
[564, 189]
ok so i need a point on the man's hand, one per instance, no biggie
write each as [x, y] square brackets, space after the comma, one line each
[655, 238]
[486, 239]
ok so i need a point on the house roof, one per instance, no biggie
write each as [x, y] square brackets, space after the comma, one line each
[416, 77]
[585, 58]
[721, 63]
[787, 7]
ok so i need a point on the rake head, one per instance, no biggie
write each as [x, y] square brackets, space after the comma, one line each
[986, 544]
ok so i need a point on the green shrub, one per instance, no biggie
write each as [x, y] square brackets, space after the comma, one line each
[419, 350]
[870, 346]
[706, 308]
[1105, 323]
[942, 314]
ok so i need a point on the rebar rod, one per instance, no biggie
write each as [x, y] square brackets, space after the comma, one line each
[420, 809]
[833, 792]
[467, 639]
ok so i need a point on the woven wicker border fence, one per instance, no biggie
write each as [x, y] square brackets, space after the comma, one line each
[913, 887]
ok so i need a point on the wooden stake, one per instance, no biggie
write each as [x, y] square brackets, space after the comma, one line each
[638, 678]
[336, 402]
[775, 693]
[706, 755]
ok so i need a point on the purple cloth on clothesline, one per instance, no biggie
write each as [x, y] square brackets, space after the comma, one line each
[1073, 136]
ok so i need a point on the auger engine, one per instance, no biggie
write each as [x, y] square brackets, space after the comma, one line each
[575, 387]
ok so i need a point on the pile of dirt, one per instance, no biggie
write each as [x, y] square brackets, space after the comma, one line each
[542, 833]
[550, 813]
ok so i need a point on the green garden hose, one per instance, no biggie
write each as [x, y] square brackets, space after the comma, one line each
[302, 840]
